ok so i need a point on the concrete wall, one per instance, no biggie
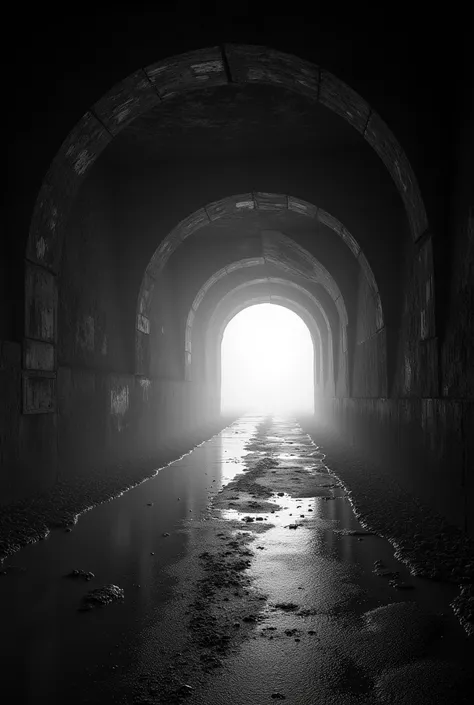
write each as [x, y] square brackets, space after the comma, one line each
[104, 414]
[426, 445]
[369, 360]
[456, 265]
[102, 419]
[423, 435]
[110, 418]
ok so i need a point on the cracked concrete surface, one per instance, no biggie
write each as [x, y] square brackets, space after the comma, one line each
[246, 579]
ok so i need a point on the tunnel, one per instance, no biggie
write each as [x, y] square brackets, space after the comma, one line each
[160, 186]
[268, 363]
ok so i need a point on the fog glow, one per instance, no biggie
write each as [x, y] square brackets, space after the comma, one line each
[267, 362]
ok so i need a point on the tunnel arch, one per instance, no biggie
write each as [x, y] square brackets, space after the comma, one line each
[212, 66]
[225, 312]
[325, 353]
[295, 261]
[274, 245]
[215, 367]
[151, 86]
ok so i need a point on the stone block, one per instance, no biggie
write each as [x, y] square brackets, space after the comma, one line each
[39, 392]
[38, 355]
[195, 69]
[41, 302]
[126, 101]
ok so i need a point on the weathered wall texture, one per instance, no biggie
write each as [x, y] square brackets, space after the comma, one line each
[423, 435]
[104, 414]
[369, 377]
[406, 394]
[424, 444]
[92, 327]
[457, 266]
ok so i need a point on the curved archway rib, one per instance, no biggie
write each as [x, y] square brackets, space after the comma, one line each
[213, 66]
[276, 247]
[152, 85]
[293, 305]
[324, 348]
[226, 311]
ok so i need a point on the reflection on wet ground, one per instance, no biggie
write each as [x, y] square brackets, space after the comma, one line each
[246, 577]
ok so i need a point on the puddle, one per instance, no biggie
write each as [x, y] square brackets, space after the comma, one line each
[321, 573]
[122, 543]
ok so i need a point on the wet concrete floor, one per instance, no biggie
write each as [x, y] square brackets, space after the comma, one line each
[246, 579]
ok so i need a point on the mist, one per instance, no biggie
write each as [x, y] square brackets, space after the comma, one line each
[267, 362]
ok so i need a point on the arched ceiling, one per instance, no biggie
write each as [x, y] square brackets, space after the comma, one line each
[237, 120]
[217, 239]
[148, 95]
[265, 287]
[283, 253]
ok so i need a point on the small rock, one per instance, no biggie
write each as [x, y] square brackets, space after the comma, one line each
[384, 573]
[287, 606]
[278, 696]
[102, 596]
[85, 575]
[152, 553]
[165, 534]
[149, 504]
[401, 585]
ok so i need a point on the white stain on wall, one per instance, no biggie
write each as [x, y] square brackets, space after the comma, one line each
[119, 398]
[145, 384]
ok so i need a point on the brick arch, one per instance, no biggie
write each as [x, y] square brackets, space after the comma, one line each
[252, 281]
[147, 87]
[245, 263]
[274, 244]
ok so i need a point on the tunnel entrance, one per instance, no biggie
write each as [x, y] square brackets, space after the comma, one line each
[267, 362]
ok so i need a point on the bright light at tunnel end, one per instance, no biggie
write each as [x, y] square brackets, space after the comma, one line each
[267, 363]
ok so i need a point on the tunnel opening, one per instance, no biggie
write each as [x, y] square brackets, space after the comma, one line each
[267, 362]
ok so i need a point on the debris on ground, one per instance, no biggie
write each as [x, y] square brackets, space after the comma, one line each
[101, 597]
[12, 569]
[83, 574]
[398, 585]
